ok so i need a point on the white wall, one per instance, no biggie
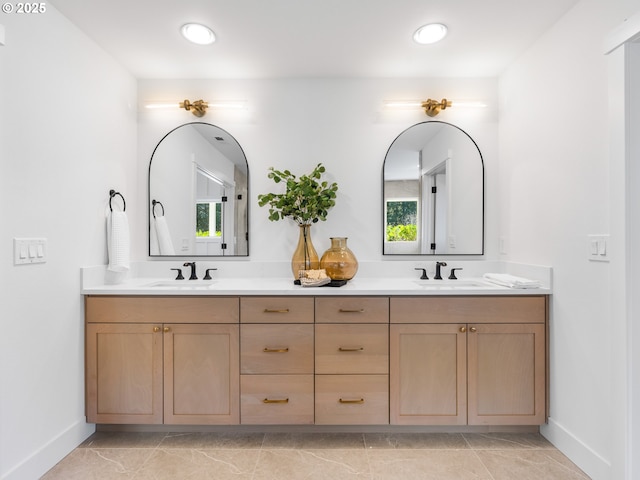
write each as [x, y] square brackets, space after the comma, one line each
[67, 135]
[297, 123]
[554, 191]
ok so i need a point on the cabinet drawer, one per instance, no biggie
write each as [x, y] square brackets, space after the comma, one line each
[352, 310]
[511, 309]
[350, 349]
[276, 348]
[155, 309]
[276, 309]
[352, 399]
[276, 399]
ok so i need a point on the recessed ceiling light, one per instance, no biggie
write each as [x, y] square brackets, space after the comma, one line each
[431, 33]
[198, 34]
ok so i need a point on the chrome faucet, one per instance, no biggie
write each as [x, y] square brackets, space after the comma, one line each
[438, 275]
[193, 269]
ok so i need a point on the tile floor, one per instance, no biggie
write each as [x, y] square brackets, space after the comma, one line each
[311, 456]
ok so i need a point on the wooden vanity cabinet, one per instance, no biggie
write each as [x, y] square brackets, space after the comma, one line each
[276, 360]
[484, 366]
[171, 360]
[352, 360]
[327, 360]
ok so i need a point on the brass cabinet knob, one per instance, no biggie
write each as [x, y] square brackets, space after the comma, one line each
[166, 329]
[463, 329]
[156, 329]
[473, 329]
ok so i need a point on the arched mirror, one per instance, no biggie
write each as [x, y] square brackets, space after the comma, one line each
[433, 192]
[198, 194]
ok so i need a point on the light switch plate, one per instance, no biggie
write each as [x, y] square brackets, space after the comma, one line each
[29, 250]
[598, 248]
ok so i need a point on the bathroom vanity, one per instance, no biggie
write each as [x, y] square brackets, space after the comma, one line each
[285, 355]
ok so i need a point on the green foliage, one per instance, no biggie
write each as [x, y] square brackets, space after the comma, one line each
[202, 233]
[306, 200]
[402, 212]
[202, 219]
[203, 212]
[401, 221]
[402, 233]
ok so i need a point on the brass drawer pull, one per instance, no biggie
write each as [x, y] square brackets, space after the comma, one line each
[275, 310]
[350, 349]
[275, 350]
[275, 400]
[357, 400]
[346, 310]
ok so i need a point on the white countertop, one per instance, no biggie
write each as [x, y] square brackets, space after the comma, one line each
[145, 280]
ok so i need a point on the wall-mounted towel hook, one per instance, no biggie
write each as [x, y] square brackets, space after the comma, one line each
[113, 193]
[153, 208]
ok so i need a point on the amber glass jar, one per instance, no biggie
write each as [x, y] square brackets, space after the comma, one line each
[339, 261]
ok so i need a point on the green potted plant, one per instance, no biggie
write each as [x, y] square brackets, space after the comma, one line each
[306, 200]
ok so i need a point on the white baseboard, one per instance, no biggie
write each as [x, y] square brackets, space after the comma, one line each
[591, 463]
[43, 459]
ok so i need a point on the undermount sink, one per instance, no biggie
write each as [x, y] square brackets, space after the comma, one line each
[183, 284]
[453, 284]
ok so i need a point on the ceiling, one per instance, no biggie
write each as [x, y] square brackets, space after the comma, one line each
[313, 38]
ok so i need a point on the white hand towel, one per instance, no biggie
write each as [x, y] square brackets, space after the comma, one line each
[118, 241]
[511, 281]
[165, 245]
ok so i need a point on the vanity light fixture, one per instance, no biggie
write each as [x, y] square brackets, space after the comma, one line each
[198, 107]
[198, 33]
[433, 107]
[430, 33]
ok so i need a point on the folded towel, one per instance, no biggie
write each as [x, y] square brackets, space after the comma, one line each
[511, 281]
[165, 245]
[118, 241]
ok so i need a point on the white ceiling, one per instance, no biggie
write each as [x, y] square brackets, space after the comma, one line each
[314, 38]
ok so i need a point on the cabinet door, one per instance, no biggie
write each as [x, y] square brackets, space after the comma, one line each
[428, 381]
[506, 368]
[201, 374]
[124, 373]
